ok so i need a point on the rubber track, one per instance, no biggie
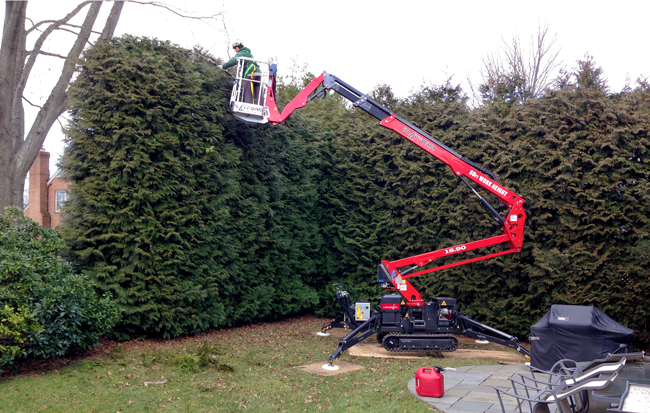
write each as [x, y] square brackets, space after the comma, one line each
[424, 350]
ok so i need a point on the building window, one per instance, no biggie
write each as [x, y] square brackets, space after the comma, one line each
[61, 197]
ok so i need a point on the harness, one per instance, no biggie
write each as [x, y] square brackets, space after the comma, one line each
[252, 66]
[250, 70]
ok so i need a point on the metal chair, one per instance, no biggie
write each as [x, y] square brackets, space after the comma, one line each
[566, 385]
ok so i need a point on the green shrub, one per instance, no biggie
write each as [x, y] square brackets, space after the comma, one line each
[47, 308]
[13, 325]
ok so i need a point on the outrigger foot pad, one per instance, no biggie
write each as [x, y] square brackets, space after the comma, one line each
[322, 333]
[330, 366]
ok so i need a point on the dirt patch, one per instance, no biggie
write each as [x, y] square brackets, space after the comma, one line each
[469, 349]
[317, 368]
[376, 350]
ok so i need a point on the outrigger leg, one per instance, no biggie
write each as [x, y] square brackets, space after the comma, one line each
[359, 334]
[477, 330]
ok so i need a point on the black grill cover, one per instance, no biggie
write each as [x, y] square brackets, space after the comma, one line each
[574, 332]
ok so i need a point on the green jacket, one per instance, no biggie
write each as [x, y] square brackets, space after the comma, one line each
[249, 66]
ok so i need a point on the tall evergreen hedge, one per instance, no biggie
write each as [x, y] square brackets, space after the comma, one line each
[187, 216]
[578, 154]
[148, 203]
[194, 219]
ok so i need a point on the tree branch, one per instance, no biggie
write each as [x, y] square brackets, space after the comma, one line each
[35, 26]
[60, 123]
[517, 73]
[76, 27]
[111, 21]
[56, 102]
[52, 54]
[67, 30]
[39, 44]
[168, 8]
[27, 100]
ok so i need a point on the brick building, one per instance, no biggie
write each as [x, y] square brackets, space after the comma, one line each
[46, 194]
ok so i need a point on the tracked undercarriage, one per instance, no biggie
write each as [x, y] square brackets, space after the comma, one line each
[421, 343]
[400, 328]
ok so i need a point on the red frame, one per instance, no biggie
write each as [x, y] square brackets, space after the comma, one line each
[513, 226]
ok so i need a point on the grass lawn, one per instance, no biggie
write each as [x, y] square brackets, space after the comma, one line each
[251, 367]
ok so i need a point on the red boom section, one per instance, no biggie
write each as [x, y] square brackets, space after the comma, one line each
[275, 117]
[513, 228]
[457, 165]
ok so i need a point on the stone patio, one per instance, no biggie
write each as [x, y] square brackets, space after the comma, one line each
[469, 389]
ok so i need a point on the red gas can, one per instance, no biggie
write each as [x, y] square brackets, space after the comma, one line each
[429, 382]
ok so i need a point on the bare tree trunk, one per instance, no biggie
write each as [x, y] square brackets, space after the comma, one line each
[12, 51]
[113, 18]
[17, 150]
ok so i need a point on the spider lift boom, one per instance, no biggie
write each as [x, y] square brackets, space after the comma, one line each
[404, 321]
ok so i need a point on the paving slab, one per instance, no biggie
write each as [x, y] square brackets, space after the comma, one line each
[497, 382]
[471, 390]
[466, 376]
[516, 367]
[504, 375]
[472, 382]
[475, 387]
[451, 383]
[470, 406]
[448, 400]
[456, 392]
[461, 369]
[508, 409]
[482, 397]
[495, 367]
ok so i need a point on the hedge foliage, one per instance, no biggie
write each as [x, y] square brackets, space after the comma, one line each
[191, 219]
[196, 220]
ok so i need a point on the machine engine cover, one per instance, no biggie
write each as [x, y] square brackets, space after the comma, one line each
[390, 306]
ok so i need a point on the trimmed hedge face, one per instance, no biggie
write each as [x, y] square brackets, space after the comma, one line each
[196, 220]
[190, 218]
[579, 155]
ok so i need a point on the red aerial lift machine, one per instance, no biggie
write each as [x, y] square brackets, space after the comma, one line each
[402, 321]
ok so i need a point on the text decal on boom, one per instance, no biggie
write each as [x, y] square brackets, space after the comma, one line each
[489, 183]
[417, 138]
[455, 249]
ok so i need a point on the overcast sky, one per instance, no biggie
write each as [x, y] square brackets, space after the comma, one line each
[365, 43]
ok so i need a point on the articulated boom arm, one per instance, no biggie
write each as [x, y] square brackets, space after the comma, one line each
[394, 272]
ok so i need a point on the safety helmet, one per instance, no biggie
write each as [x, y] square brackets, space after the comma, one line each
[237, 44]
